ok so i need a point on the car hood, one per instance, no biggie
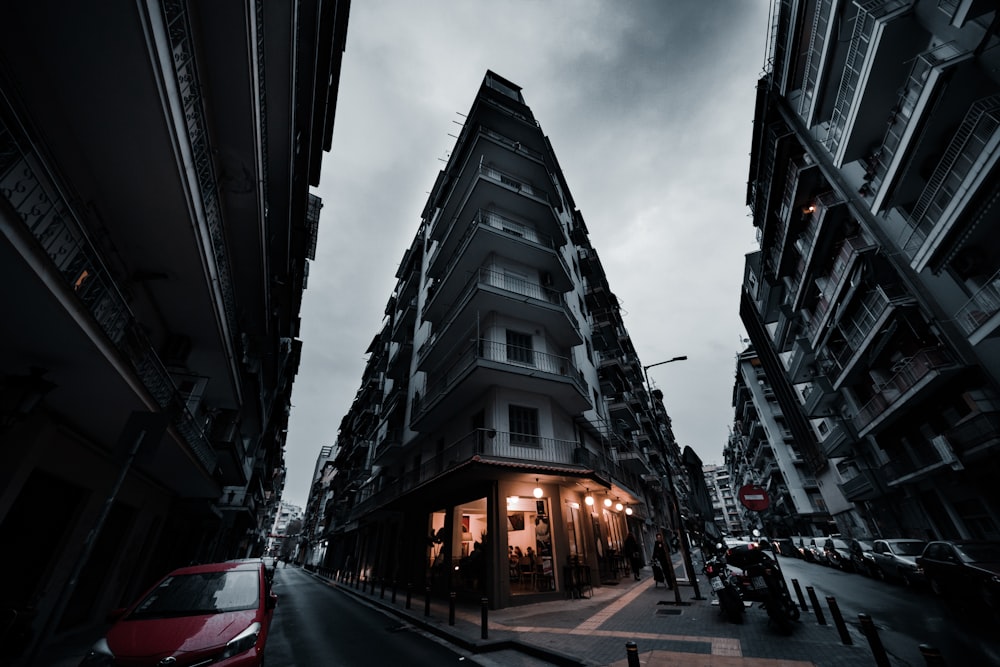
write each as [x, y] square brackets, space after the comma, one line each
[172, 636]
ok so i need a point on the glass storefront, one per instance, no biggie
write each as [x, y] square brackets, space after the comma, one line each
[530, 553]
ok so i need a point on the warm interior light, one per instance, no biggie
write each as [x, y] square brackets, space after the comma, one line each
[607, 502]
[538, 490]
[618, 507]
[628, 511]
[512, 501]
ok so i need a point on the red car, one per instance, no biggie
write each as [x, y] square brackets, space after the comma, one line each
[216, 614]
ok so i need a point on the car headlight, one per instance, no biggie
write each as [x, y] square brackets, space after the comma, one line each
[100, 655]
[243, 641]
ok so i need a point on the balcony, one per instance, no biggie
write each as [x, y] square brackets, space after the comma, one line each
[399, 361]
[483, 364]
[482, 187]
[977, 437]
[492, 233]
[959, 175]
[859, 329]
[820, 398]
[913, 374]
[839, 442]
[913, 463]
[827, 210]
[26, 187]
[872, 57]
[801, 360]
[402, 323]
[867, 485]
[523, 452]
[978, 317]
[833, 282]
[926, 75]
[491, 291]
[819, 36]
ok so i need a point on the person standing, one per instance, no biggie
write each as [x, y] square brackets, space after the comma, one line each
[661, 556]
[631, 549]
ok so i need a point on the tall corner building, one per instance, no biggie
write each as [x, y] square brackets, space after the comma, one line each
[156, 227]
[502, 408]
[874, 299]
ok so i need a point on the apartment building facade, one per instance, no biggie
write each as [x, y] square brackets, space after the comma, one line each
[726, 507]
[155, 230]
[502, 407]
[763, 451]
[873, 300]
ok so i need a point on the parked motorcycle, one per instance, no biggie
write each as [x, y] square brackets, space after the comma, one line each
[730, 602]
[762, 581]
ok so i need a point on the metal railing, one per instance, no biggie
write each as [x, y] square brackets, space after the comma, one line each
[514, 357]
[983, 305]
[38, 200]
[911, 371]
[958, 164]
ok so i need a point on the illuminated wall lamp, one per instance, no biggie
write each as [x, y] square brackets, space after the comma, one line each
[618, 507]
[628, 511]
[537, 492]
[607, 502]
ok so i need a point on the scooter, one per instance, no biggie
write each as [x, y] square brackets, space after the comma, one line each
[762, 581]
[730, 601]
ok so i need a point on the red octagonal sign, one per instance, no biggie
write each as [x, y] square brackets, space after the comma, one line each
[754, 497]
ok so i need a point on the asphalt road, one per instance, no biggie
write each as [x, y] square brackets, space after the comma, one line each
[905, 617]
[314, 624]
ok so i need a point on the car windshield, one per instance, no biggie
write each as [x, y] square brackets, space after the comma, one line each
[909, 547]
[864, 546]
[980, 553]
[203, 593]
[839, 544]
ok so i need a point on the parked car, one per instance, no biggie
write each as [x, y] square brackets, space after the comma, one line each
[896, 559]
[862, 557]
[784, 546]
[815, 546]
[802, 544]
[838, 553]
[218, 613]
[964, 570]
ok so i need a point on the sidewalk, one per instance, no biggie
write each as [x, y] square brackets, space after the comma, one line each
[595, 631]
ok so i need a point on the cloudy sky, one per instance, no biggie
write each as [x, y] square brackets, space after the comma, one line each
[649, 107]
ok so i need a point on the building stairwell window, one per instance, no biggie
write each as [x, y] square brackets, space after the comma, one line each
[523, 425]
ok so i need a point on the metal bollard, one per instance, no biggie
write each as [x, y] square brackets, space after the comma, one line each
[364, 585]
[798, 593]
[632, 651]
[485, 634]
[427, 601]
[381, 593]
[932, 656]
[820, 618]
[451, 608]
[871, 633]
[838, 620]
[394, 583]
[409, 594]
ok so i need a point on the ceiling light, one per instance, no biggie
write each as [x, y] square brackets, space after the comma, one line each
[538, 490]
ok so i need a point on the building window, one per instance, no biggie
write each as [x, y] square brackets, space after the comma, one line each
[523, 425]
[519, 348]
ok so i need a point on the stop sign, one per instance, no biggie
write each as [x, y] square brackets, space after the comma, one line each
[754, 497]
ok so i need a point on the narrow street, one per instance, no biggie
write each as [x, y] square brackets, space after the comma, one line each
[315, 624]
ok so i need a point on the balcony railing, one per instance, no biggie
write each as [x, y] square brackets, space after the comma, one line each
[869, 12]
[983, 305]
[961, 162]
[483, 444]
[909, 373]
[510, 143]
[900, 115]
[511, 181]
[817, 45]
[34, 195]
[975, 434]
[512, 356]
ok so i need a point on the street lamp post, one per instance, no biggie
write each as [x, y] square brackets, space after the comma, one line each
[676, 519]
